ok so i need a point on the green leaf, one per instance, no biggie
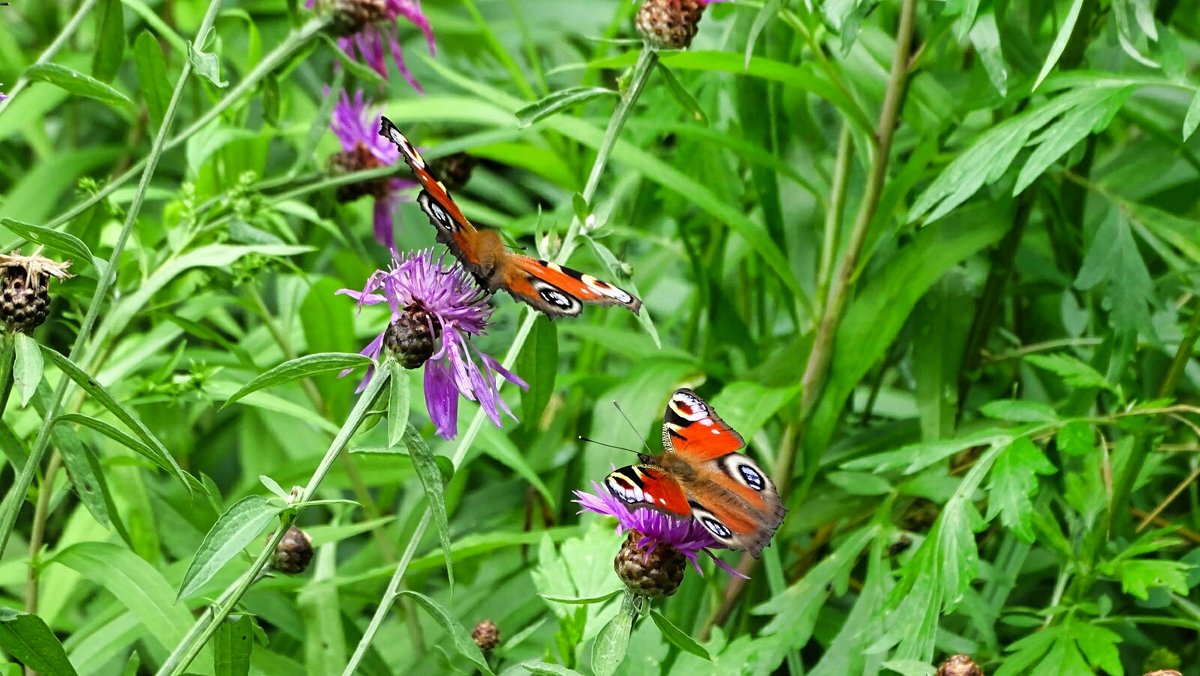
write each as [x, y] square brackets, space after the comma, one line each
[612, 642]
[502, 449]
[860, 483]
[677, 637]
[301, 367]
[399, 401]
[1075, 438]
[557, 102]
[682, 95]
[1013, 483]
[916, 457]
[273, 486]
[1074, 373]
[110, 40]
[462, 640]
[538, 366]
[985, 37]
[1192, 118]
[75, 82]
[54, 240]
[1060, 41]
[232, 645]
[1113, 257]
[1138, 576]
[548, 669]
[1019, 410]
[425, 463]
[240, 525]
[26, 639]
[1058, 138]
[361, 72]
[97, 391]
[151, 70]
[207, 66]
[27, 367]
[588, 600]
[135, 584]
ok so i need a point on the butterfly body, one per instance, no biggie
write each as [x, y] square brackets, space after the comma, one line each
[703, 476]
[548, 287]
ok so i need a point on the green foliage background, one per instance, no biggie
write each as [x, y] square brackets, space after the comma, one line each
[938, 263]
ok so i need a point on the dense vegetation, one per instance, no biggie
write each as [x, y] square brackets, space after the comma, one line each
[938, 263]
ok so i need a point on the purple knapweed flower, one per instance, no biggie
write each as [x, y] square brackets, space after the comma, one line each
[354, 122]
[447, 301]
[686, 536]
[367, 29]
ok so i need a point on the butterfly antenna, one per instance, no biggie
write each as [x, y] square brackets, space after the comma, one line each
[601, 443]
[633, 427]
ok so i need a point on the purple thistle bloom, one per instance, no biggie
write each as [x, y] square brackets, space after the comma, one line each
[686, 536]
[450, 299]
[354, 123]
[377, 34]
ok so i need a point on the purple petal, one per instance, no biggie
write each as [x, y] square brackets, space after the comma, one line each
[385, 232]
[441, 398]
[398, 59]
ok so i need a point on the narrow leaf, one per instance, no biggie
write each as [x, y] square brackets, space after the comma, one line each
[301, 367]
[27, 367]
[151, 70]
[54, 240]
[1060, 41]
[399, 400]
[207, 66]
[430, 476]
[1192, 119]
[110, 40]
[232, 645]
[557, 101]
[612, 642]
[240, 525]
[583, 601]
[677, 637]
[538, 365]
[1074, 372]
[74, 82]
[26, 639]
[462, 640]
[682, 95]
[1018, 410]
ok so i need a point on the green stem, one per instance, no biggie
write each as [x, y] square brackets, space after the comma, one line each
[295, 41]
[46, 56]
[210, 621]
[641, 73]
[16, 495]
[8, 356]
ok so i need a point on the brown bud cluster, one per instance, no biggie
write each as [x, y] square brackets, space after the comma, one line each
[669, 24]
[657, 573]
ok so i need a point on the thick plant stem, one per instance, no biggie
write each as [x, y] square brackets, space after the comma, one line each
[207, 624]
[16, 495]
[817, 369]
[67, 32]
[291, 44]
[637, 82]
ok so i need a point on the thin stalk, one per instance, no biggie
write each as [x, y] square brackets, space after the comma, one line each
[16, 495]
[37, 533]
[67, 32]
[641, 74]
[837, 208]
[8, 356]
[207, 625]
[295, 41]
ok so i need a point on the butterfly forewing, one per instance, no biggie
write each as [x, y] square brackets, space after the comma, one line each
[694, 430]
[645, 486]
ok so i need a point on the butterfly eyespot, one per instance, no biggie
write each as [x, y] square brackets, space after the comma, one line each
[715, 527]
[752, 477]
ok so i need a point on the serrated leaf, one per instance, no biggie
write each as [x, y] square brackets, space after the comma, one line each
[27, 367]
[678, 637]
[234, 530]
[1192, 118]
[26, 639]
[462, 640]
[612, 642]
[399, 401]
[430, 476]
[157, 451]
[206, 65]
[1138, 576]
[538, 366]
[301, 367]
[74, 82]
[232, 645]
[1113, 257]
[151, 70]
[557, 101]
[1013, 483]
[1060, 41]
[860, 483]
[1075, 438]
[1061, 136]
[1098, 644]
[110, 40]
[54, 240]
[1075, 373]
[1019, 410]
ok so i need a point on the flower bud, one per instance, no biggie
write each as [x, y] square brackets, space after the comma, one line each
[649, 573]
[486, 635]
[24, 290]
[359, 159]
[959, 665]
[351, 16]
[410, 339]
[669, 24]
[293, 553]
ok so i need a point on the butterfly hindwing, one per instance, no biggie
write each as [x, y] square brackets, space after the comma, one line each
[547, 287]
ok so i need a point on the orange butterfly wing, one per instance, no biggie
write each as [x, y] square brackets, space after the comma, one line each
[646, 486]
[547, 287]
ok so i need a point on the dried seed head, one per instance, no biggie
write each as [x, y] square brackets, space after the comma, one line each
[293, 553]
[669, 24]
[412, 338]
[25, 290]
[486, 635]
[454, 170]
[359, 159]
[351, 16]
[655, 573]
[959, 665]
[1162, 661]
